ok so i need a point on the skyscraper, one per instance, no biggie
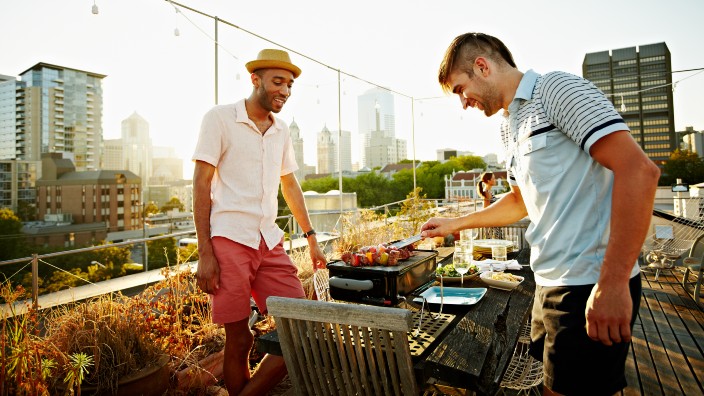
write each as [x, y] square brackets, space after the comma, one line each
[327, 152]
[343, 142]
[59, 110]
[638, 82]
[137, 146]
[376, 113]
[297, 142]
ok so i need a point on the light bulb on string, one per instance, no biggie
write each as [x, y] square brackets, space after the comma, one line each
[94, 9]
[176, 31]
[623, 105]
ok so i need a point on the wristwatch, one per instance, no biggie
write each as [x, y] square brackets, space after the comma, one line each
[309, 233]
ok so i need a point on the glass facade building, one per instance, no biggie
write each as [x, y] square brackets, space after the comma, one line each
[57, 110]
[638, 81]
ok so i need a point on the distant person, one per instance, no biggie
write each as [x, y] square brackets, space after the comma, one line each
[487, 182]
[242, 156]
[588, 190]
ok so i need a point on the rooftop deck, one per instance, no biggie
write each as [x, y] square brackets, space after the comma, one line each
[667, 355]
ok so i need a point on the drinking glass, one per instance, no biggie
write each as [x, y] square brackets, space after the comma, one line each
[462, 260]
[498, 252]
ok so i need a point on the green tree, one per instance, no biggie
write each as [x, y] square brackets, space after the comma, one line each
[11, 237]
[321, 185]
[162, 252]
[150, 209]
[469, 162]
[685, 165]
[174, 203]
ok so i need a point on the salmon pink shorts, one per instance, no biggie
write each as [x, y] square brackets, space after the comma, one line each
[246, 272]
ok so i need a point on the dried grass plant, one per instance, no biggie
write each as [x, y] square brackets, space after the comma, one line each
[107, 329]
[27, 363]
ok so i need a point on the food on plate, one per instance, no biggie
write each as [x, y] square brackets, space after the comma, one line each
[450, 271]
[381, 254]
[505, 277]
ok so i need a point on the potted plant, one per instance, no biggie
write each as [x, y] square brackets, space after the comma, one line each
[102, 351]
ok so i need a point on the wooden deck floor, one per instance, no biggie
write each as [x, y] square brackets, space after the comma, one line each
[667, 355]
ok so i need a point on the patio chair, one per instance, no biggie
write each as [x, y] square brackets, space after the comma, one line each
[694, 264]
[344, 349]
[524, 374]
[665, 247]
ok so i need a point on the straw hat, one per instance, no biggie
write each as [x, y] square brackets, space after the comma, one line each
[273, 59]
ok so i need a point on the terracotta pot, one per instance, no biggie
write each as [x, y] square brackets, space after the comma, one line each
[208, 372]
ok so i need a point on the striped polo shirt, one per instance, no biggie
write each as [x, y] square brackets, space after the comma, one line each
[547, 132]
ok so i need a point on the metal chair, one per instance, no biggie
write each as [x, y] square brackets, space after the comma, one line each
[666, 246]
[524, 373]
[332, 348]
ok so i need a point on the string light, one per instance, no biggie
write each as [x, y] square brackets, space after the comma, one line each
[176, 31]
[623, 105]
[94, 10]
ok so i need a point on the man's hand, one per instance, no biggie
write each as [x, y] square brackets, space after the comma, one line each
[318, 257]
[437, 226]
[608, 314]
[208, 273]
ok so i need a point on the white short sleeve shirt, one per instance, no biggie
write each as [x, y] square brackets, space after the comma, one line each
[249, 166]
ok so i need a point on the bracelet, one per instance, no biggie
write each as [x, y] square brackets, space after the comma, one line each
[309, 233]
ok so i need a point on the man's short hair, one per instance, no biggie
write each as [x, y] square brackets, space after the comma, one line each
[465, 49]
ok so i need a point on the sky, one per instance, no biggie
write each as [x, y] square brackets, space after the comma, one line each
[397, 44]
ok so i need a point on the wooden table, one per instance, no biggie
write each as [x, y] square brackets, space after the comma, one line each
[475, 349]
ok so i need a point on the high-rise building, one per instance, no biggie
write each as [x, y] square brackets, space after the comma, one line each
[56, 110]
[638, 81]
[375, 113]
[112, 155]
[343, 142]
[380, 147]
[18, 187]
[692, 140]
[327, 152]
[137, 146]
[297, 142]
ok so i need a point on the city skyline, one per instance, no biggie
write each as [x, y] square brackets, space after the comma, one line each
[169, 80]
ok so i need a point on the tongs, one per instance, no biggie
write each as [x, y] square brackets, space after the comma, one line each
[408, 241]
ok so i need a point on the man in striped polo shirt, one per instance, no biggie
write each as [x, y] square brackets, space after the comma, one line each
[587, 188]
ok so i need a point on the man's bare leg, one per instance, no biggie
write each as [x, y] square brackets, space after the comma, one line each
[238, 344]
[270, 372]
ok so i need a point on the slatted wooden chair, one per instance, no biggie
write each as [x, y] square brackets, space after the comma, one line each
[326, 346]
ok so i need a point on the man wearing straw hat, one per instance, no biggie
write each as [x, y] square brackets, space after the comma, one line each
[242, 156]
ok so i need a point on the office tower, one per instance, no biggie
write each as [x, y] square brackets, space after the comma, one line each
[638, 82]
[297, 142]
[137, 146]
[18, 182]
[112, 155]
[327, 152]
[375, 113]
[343, 142]
[58, 109]
[443, 155]
[692, 140]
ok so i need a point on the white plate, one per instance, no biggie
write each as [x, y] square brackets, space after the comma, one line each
[499, 284]
[488, 243]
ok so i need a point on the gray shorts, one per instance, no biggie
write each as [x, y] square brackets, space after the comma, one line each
[573, 363]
